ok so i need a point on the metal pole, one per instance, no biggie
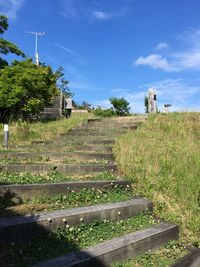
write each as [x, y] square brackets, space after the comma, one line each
[36, 54]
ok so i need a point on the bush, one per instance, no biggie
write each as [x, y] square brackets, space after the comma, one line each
[120, 106]
[104, 113]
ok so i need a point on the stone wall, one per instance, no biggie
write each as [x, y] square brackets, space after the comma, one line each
[54, 112]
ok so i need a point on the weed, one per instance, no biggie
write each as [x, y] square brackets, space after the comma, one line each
[162, 158]
[70, 238]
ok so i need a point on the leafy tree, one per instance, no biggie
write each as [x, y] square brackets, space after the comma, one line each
[146, 104]
[25, 89]
[6, 46]
[62, 84]
[120, 106]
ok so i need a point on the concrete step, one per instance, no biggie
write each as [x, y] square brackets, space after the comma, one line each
[119, 119]
[23, 228]
[76, 141]
[49, 156]
[108, 125]
[65, 147]
[90, 133]
[111, 126]
[118, 249]
[63, 168]
[53, 189]
[190, 260]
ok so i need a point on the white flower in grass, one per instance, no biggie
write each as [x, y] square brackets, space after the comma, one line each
[81, 220]
[101, 239]
[105, 221]
[71, 229]
[127, 186]
[64, 220]
[67, 226]
[91, 229]
[119, 213]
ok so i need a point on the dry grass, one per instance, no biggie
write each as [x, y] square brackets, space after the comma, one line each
[162, 158]
[23, 133]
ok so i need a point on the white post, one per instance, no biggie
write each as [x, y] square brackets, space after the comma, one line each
[6, 135]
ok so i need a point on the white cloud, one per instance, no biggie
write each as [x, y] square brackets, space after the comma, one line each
[162, 45]
[74, 9]
[10, 8]
[179, 60]
[175, 92]
[65, 49]
[101, 15]
[102, 103]
[169, 91]
[156, 61]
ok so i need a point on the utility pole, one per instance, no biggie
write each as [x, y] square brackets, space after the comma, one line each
[36, 52]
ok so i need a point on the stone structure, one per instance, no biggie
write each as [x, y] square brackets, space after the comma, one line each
[151, 101]
[54, 112]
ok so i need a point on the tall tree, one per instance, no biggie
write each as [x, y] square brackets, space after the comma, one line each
[25, 89]
[6, 46]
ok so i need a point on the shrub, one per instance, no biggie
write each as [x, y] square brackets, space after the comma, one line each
[120, 106]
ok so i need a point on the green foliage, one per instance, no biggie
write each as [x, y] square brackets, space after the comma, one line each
[6, 46]
[62, 84]
[104, 113]
[69, 238]
[25, 89]
[146, 104]
[120, 106]
[53, 177]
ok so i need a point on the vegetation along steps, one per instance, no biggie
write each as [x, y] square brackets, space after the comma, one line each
[125, 229]
[52, 189]
[24, 228]
[118, 249]
[49, 156]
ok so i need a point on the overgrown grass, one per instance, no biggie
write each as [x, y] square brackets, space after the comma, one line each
[53, 177]
[89, 197]
[161, 258]
[69, 239]
[23, 133]
[162, 159]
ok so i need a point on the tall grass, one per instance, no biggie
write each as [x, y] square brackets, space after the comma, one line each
[22, 133]
[162, 159]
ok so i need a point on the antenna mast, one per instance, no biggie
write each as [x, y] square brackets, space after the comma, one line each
[36, 52]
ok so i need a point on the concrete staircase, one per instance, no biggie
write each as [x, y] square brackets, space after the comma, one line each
[83, 150]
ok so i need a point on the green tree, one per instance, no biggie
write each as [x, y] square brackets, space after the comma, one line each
[25, 89]
[6, 46]
[120, 106]
[62, 83]
[146, 104]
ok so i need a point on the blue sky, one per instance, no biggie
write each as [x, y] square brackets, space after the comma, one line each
[115, 48]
